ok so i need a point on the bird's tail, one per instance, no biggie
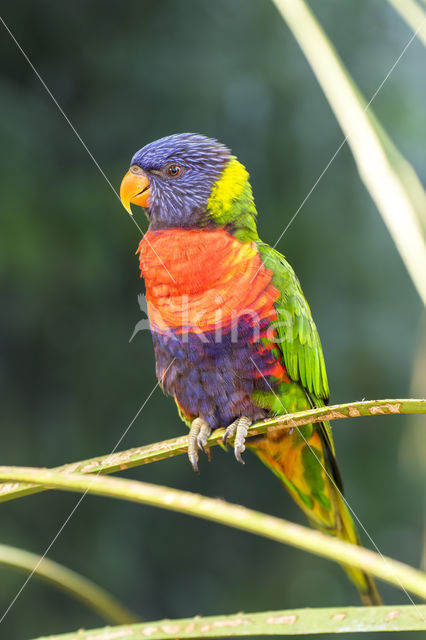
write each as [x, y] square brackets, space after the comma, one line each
[305, 463]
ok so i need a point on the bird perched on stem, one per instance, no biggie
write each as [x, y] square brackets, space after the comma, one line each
[233, 335]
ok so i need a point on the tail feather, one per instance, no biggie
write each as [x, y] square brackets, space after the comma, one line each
[363, 581]
[304, 461]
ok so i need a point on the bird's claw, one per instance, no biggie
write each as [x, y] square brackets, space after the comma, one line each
[198, 436]
[238, 431]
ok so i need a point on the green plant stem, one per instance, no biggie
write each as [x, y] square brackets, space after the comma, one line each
[390, 179]
[176, 446]
[267, 623]
[231, 515]
[69, 581]
[413, 15]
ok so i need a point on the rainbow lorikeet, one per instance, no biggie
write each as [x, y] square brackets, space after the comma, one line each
[233, 335]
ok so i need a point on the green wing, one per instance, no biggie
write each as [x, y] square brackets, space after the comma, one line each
[298, 335]
[304, 459]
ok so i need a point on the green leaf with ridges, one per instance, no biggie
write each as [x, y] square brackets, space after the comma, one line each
[178, 446]
[267, 623]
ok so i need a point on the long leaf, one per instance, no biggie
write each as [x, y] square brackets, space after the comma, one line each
[413, 15]
[391, 180]
[277, 623]
[178, 446]
[231, 515]
[69, 581]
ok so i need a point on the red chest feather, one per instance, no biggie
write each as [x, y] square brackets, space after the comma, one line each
[203, 280]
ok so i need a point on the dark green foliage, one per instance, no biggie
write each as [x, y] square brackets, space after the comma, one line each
[71, 383]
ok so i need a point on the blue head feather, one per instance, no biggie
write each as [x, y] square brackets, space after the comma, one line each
[181, 201]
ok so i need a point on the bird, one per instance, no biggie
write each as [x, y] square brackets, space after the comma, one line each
[233, 335]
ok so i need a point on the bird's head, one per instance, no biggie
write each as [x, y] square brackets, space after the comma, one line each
[188, 180]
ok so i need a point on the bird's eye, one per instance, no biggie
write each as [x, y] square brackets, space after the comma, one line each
[135, 169]
[173, 170]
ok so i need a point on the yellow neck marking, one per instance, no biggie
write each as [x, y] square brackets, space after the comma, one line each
[228, 188]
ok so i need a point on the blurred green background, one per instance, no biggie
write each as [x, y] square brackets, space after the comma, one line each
[70, 380]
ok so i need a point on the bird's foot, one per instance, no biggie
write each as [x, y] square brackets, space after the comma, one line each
[198, 436]
[238, 431]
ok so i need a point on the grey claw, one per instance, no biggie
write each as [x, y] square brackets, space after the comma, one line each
[197, 439]
[229, 432]
[193, 459]
[238, 430]
[203, 436]
[237, 454]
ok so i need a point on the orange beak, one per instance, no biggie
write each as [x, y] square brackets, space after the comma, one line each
[134, 189]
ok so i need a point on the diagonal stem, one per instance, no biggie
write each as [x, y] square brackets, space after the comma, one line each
[69, 581]
[231, 515]
[390, 179]
[413, 15]
[177, 446]
[267, 623]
